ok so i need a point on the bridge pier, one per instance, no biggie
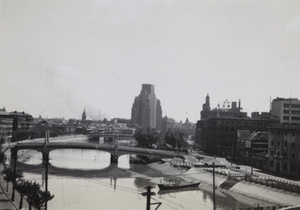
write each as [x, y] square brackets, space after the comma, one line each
[113, 158]
[45, 157]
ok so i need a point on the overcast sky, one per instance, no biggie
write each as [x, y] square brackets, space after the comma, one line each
[58, 57]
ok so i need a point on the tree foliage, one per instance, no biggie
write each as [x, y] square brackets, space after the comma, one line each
[146, 137]
[176, 139]
[22, 189]
[9, 176]
[2, 157]
[32, 192]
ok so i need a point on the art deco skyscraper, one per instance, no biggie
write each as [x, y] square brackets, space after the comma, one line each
[146, 110]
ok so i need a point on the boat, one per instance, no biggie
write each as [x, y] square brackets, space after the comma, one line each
[163, 192]
[177, 186]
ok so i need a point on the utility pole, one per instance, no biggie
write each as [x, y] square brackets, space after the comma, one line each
[46, 156]
[252, 159]
[214, 188]
[148, 194]
[46, 162]
[15, 156]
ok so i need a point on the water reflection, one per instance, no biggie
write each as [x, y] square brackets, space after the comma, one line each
[85, 179]
[79, 159]
[124, 162]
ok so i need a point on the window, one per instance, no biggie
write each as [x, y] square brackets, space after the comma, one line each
[293, 156]
[285, 144]
[271, 163]
[278, 143]
[272, 152]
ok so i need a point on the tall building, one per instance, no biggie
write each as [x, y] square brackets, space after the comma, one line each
[287, 109]
[146, 110]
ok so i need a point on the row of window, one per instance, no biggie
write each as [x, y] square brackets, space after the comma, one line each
[285, 144]
[292, 105]
[287, 111]
[238, 122]
[285, 133]
[285, 154]
[295, 118]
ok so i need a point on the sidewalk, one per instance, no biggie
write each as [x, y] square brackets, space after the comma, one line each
[5, 202]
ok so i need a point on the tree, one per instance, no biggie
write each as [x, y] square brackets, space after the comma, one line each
[176, 139]
[7, 173]
[22, 189]
[35, 196]
[146, 137]
[2, 157]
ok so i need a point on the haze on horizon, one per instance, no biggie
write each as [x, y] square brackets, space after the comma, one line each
[58, 57]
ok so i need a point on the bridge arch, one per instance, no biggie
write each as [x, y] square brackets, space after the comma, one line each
[114, 150]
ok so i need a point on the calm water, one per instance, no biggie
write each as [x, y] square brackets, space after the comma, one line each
[85, 179]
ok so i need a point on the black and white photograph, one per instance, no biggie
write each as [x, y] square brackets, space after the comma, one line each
[150, 104]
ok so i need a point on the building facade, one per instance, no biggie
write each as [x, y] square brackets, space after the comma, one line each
[22, 125]
[287, 110]
[284, 149]
[219, 135]
[21, 121]
[5, 126]
[146, 110]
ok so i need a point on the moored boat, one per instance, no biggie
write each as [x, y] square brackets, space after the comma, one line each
[177, 186]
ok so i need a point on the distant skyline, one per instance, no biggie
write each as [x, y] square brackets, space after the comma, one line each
[59, 57]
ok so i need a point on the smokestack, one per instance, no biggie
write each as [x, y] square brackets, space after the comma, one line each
[239, 103]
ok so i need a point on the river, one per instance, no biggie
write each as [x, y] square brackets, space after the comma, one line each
[85, 179]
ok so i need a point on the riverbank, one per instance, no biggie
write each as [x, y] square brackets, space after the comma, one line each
[243, 191]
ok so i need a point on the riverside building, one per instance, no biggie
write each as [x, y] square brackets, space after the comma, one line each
[217, 131]
[5, 126]
[284, 137]
[22, 125]
[146, 109]
[284, 149]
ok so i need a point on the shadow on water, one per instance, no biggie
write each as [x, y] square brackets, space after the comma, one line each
[111, 170]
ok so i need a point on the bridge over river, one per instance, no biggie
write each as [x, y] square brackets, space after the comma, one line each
[115, 150]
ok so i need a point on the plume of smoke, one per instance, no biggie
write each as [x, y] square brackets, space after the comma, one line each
[93, 114]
